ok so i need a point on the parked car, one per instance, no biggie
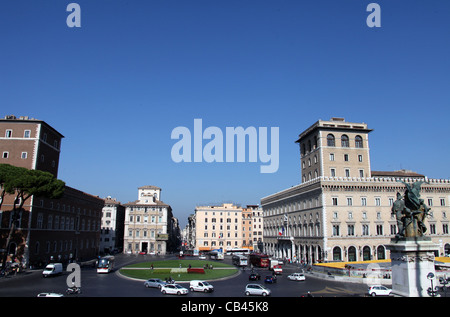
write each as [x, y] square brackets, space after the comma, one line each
[174, 289]
[154, 282]
[296, 277]
[256, 289]
[254, 277]
[270, 279]
[201, 286]
[379, 290]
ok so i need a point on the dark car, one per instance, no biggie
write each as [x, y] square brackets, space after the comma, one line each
[254, 277]
[270, 279]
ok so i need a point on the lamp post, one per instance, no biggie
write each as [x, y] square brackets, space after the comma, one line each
[432, 291]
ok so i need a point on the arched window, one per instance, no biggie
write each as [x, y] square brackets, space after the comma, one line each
[351, 254]
[337, 254]
[358, 141]
[344, 141]
[366, 253]
[381, 255]
[330, 140]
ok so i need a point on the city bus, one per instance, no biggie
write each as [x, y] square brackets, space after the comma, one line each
[237, 251]
[259, 260]
[239, 260]
[105, 264]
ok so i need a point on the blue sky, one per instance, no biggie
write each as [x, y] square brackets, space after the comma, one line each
[135, 70]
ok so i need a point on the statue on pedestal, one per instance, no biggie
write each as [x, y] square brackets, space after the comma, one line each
[410, 211]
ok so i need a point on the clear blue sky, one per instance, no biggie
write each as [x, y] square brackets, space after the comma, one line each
[135, 70]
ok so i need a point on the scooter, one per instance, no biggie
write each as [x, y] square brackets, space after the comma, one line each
[73, 290]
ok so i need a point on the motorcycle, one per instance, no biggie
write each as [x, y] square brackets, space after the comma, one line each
[73, 290]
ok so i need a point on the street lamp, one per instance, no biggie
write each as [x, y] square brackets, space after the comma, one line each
[432, 291]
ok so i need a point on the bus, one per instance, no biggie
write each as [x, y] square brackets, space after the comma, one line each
[105, 264]
[259, 260]
[237, 251]
[239, 260]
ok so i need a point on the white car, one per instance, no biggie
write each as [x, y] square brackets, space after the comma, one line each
[256, 289]
[379, 290]
[50, 295]
[296, 277]
[174, 289]
[201, 286]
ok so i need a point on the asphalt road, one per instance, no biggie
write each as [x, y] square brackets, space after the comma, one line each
[31, 283]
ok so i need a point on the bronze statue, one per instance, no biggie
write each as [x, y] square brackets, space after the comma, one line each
[410, 211]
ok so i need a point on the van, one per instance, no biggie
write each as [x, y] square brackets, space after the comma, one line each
[52, 269]
[201, 286]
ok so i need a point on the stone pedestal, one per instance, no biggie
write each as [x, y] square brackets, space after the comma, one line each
[412, 260]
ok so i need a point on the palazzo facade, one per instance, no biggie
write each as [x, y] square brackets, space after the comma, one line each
[342, 209]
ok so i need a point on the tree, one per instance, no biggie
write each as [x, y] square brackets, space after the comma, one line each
[24, 183]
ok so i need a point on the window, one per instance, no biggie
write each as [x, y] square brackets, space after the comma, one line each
[377, 201]
[27, 134]
[24, 155]
[349, 201]
[8, 134]
[365, 230]
[379, 230]
[351, 230]
[358, 141]
[331, 156]
[333, 172]
[360, 158]
[345, 141]
[346, 157]
[335, 201]
[5, 155]
[432, 229]
[330, 140]
[363, 201]
[347, 172]
[335, 230]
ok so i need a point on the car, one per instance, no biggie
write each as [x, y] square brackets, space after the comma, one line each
[50, 295]
[201, 286]
[270, 279]
[296, 277]
[379, 290]
[174, 289]
[277, 269]
[254, 277]
[202, 257]
[256, 289]
[154, 282]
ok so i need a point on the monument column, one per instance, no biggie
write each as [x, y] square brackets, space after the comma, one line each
[412, 254]
[412, 260]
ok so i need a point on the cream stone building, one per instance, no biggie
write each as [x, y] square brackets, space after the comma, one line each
[149, 224]
[218, 227]
[342, 209]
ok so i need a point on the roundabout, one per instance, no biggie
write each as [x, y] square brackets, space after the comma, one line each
[181, 270]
